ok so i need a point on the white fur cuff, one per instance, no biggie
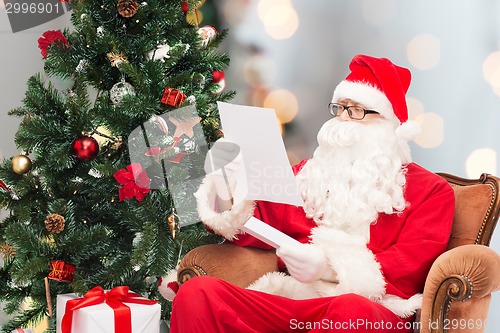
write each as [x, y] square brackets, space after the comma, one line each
[228, 223]
[355, 265]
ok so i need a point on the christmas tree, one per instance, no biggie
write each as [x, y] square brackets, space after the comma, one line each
[107, 169]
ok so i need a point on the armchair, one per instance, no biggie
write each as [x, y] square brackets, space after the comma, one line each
[459, 285]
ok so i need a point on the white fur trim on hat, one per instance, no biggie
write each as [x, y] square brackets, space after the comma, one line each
[367, 95]
[228, 223]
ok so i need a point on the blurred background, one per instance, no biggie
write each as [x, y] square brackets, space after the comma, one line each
[290, 55]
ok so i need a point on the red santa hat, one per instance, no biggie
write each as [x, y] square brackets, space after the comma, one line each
[379, 85]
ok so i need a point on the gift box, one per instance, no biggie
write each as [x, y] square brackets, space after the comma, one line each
[114, 311]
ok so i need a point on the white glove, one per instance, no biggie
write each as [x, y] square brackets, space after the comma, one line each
[305, 262]
[223, 164]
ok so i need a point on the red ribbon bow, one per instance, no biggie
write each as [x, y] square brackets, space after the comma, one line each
[114, 298]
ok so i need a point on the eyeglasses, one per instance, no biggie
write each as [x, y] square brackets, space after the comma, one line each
[354, 112]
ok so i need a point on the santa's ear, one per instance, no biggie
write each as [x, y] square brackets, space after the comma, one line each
[408, 130]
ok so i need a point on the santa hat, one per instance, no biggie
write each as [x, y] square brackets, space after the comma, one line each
[381, 86]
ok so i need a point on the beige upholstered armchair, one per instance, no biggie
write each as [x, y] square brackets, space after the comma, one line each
[458, 288]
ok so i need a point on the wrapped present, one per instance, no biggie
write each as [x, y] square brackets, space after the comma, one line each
[61, 271]
[99, 311]
[172, 97]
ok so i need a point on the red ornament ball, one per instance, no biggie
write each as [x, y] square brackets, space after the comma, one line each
[85, 148]
[217, 76]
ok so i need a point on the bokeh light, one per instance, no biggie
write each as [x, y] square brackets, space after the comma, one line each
[415, 107]
[258, 95]
[423, 51]
[481, 160]
[378, 12]
[279, 18]
[259, 69]
[491, 71]
[293, 158]
[284, 102]
[234, 11]
[432, 126]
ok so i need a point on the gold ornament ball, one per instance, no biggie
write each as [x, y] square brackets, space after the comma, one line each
[21, 164]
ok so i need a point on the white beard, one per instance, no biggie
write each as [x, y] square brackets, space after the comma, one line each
[356, 173]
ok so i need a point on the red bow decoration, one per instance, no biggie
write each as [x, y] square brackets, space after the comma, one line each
[155, 151]
[135, 182]
[114, 298]
[3, 186]
[50, 37]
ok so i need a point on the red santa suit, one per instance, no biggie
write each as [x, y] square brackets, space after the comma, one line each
[374, 283]
[376, 279]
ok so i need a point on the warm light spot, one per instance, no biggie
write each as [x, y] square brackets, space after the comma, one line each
[491, 68]
[480, 161]
[258, 96]
[279, 18]
[284, 102]
[259, 69]
[495, 79]
[282, 128]
[293, 158]
[234, 12]
[496, 91]
[432, 126]
[415, 107]
[423, 51]
[264, 5]
[378, 12]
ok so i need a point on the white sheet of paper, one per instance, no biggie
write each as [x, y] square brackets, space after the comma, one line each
[256, 131]
[267, 234]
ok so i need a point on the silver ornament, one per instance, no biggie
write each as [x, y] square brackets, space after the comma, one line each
[119, 90]
[81, 66]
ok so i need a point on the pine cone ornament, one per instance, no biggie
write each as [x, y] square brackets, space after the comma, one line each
[54, 223]
[127, 8]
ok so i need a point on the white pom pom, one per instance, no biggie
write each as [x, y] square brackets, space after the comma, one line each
[408, 130]
[165, 285]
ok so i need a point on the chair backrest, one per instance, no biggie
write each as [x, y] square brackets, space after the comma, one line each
[477, 209]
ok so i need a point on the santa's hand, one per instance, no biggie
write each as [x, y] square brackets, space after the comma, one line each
[305, 262]
[223, 163]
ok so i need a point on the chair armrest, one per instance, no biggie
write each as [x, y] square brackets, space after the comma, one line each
[235, 264]
[468, 274]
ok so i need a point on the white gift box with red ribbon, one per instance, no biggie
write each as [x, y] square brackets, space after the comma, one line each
[101, 317]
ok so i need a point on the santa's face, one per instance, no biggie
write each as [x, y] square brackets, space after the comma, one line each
[355, 174]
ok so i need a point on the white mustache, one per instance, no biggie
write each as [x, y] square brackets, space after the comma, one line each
[336, 133]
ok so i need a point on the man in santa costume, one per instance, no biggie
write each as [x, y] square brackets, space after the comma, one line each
[372, 224]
